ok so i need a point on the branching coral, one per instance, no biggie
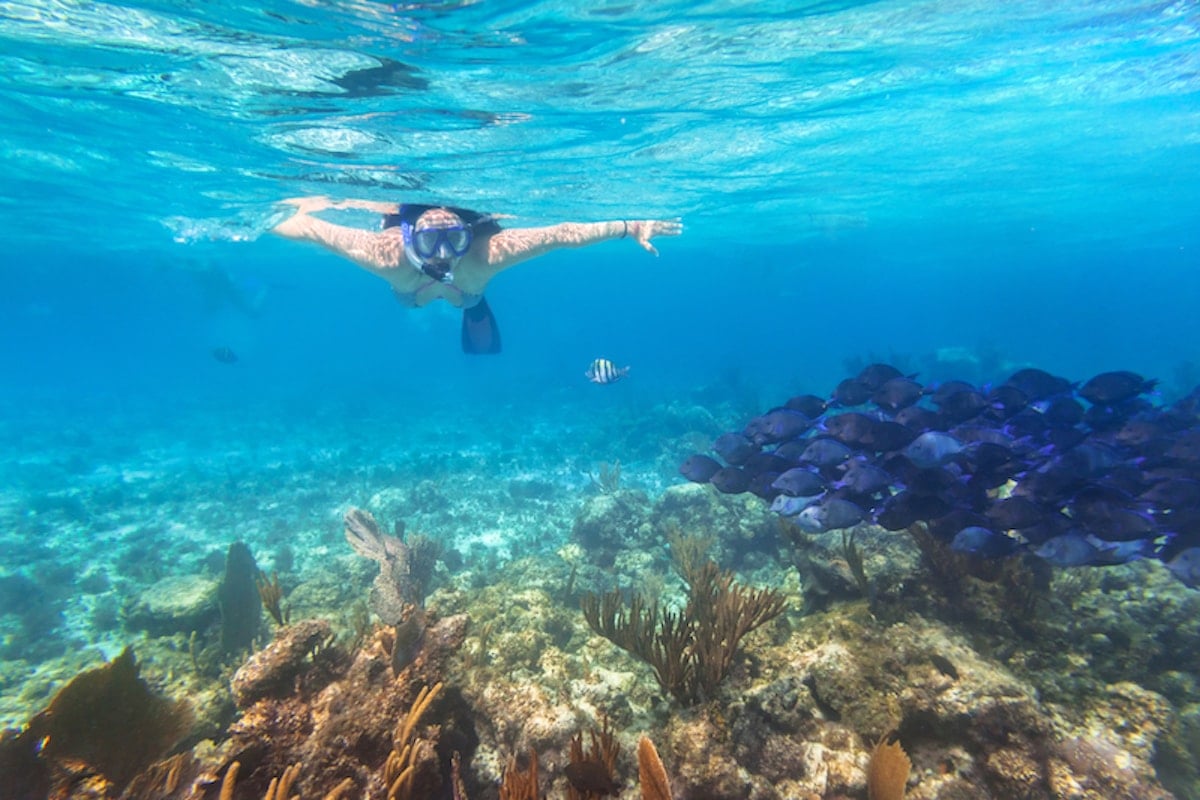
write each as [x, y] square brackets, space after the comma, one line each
[592, 775]
[691, 651]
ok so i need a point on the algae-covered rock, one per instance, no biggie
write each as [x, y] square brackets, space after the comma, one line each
[178, 604]
[611, 521]
[240, 603]
[272, 670]
[740, 521]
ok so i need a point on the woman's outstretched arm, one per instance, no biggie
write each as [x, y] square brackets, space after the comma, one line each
[370, 249]
[514, 245]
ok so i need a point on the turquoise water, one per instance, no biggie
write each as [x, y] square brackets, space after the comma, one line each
[962, 187]
[888, 177]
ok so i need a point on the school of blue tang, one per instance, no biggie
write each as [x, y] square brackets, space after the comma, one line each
[1093, 474]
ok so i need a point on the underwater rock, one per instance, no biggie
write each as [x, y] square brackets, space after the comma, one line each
[179, 604]
[741, 521]
[272, 671]
[342, 725]
[240, 603]
[609, 522]
[1094, 767]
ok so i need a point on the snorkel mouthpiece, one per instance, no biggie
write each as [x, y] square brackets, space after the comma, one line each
[442, 271]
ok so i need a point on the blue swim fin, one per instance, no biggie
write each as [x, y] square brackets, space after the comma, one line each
[480, 334]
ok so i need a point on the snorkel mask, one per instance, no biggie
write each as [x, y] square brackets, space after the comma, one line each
[435, 250]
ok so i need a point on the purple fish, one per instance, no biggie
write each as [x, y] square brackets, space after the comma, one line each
[734, 448]
[699, 468]
[730, 480]
[800, 482]
[829, 515]
[1110, 388]
[933, 449]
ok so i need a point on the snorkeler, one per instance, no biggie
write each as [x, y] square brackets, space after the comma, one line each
[430, 252]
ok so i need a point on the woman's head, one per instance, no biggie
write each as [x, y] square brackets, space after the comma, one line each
[438, 241]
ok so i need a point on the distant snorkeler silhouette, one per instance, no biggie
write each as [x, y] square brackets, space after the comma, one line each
[428, 252]
[220, 290]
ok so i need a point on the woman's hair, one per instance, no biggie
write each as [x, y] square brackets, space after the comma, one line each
[481, 224]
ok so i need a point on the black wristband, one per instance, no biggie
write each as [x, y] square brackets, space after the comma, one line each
[624, 229]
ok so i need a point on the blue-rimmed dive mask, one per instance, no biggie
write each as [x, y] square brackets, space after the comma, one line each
[436, 249]
[451, 241]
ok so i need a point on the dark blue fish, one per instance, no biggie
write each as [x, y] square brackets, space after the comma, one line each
[897, 393]
[933, 449]
[800, 482]
[1109, 388]
[793, 451]
[920, 419]
[224, 355]
[944, 391]
[1171, 494]
[788, 506]
[1004, 401]
[1015, 513]
[851, 392]
[850, 428]
[829, 515]
[766, 462]
[886, 436]
[864, 478]
[734, 448]
[1068, 550]
[825, 452]
[777, 425]
[809, 405]
[986, 543]
[1037, 384]
[962, 406]
[1061, 411]
[699, 468]
[763, 485]
[1078, 549]
[730, 480]
[873, 376]
[904, 508]
[1186, 566]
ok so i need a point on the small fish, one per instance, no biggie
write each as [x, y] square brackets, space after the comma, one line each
[789, 506]
[699, 468]
[825, 452]
[777, 425]
[1110, 388]
[730, 480]
[828, 515]
[897, 393]
[864, 478]
[933, 449]
[800, 482]
[851, 392]
[735, 448]
[809, 405]
[604, 371]
[1186, 566]
[984, 542]
[224, 355]
[1037, 384]
[874, 376]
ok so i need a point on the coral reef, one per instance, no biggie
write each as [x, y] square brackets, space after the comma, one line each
[997, 683]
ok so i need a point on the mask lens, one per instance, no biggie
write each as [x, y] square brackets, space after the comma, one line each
[459, 240]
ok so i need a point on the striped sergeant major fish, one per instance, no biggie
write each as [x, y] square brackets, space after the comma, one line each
[604, 371]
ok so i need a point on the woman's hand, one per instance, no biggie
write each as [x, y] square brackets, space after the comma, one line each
[309, 205]
[643, 230]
